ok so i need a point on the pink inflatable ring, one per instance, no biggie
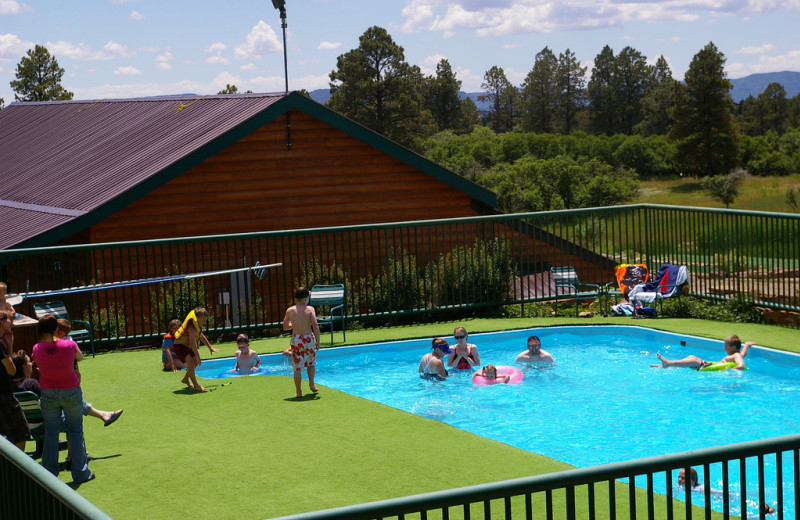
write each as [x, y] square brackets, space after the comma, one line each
[502, 370]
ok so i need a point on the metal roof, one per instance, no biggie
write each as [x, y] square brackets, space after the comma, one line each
[76, 162]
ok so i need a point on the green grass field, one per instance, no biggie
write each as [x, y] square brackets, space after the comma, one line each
[757, 193]
[250, 451]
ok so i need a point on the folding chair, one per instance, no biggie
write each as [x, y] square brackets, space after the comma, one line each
[567, 284]
[333, 297]
[59, 310]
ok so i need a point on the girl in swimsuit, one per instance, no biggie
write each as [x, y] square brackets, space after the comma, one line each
[464, 355]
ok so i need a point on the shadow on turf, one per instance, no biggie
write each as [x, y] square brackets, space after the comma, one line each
[307, 397]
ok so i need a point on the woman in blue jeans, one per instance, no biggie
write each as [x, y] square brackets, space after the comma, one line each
[61, 392]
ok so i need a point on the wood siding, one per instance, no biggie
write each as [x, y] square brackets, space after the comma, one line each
[327, 178]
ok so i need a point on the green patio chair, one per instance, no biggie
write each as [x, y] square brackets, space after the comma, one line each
[568, 286]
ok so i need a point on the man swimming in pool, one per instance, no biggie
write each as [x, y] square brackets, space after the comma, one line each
[431, 365]
[733, 348]
[247, 359]
[535, 354]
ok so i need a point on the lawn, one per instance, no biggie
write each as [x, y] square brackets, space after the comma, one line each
[250, 451]
[757, 193]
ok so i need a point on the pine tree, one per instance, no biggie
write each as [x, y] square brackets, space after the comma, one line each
[572, 94]
[539, 96]
[704, 127]
[39, 77]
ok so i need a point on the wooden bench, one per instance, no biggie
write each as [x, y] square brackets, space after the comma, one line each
[59, 310]
[332, 297]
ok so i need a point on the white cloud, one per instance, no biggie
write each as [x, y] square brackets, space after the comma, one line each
[433, 61]
[248, 66]
[127, 71]
[9, 7]
[135, 15]
[118, 48]
[163, 66]
[80, 51]
[512, 45]
[756, 50]
[166, 57]
[261, 40]
[216, 47]
[12, 48]
[217, 60]
[328, 46]
[504, 17]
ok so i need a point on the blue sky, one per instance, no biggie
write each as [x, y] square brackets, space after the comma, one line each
[130, 48]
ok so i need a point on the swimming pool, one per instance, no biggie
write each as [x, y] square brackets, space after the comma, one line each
[600, 403]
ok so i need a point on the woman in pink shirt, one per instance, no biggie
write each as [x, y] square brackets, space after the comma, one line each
[61, 392]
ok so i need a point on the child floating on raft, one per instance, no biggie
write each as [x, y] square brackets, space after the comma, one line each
[732, 348]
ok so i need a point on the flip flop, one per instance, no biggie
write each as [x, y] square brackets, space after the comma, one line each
[114, 417]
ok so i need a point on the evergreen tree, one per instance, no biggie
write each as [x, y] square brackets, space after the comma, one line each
[704, 127]
[659, 101]
[571, 90]
[374, 85]
[441, 96]
[39, 77]
[602, 95]
[769, 112]
[469, 117]
[632, 77]
[502, 96]
[539, 95]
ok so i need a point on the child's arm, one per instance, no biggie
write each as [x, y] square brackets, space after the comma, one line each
[315, 328]
[207, 343]
[171, 359]
[287, 319]
[746, 347]
[506, 378]
[737, 358]
[258, 359]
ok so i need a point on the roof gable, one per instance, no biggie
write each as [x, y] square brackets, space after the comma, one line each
[70, 164]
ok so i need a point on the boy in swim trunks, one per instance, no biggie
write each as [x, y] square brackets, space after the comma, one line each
[247, 359]
[301, 319]
[733, 345]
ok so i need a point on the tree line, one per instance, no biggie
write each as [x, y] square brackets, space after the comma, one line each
[629, 120]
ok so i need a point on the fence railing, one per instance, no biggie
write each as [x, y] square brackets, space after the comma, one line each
[415, 268]
[27, 490]
[746, 477]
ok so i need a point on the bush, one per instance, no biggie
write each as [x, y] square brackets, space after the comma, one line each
[481, 273]
[107, 322]
[737, 310]
[174, 300]
[398, 286]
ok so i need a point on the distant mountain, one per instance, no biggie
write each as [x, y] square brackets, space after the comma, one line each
[754, 84]
[751, 85]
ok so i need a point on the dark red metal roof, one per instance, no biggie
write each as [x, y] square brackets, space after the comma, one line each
[63, 159]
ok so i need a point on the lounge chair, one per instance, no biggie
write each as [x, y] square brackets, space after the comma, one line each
[627, 277]
[669, 282]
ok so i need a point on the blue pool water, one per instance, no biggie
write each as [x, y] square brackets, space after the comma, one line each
[601, 402]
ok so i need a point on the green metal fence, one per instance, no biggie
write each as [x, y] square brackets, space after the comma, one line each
[28, 491]
[415, 268]
[622, 490]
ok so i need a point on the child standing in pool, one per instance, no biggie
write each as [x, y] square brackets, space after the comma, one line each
[247, 359]
[301, 319]
[733, 348]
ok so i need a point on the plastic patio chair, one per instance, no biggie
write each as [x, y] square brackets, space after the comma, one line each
[332, 296]
[671, 281]
[567, 284]
[32, 409]
[59, 310]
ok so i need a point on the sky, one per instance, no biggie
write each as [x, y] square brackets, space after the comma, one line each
[134, 48]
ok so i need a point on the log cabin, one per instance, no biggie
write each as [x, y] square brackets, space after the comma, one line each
[116, 170]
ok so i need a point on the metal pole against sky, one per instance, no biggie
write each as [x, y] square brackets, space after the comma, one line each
[280, 5]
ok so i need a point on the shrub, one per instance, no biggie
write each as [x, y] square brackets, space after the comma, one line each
[481, 273]
[174, 300]
[398, 286]
[107, 322]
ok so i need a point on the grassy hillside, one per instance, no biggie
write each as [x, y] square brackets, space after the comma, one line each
[757, 193]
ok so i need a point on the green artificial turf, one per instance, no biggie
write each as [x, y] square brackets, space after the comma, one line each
[248, 450]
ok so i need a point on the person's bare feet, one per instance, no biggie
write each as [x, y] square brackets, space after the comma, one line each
[298, 395]
[185, 381]
[199, 388]
[314, 388]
